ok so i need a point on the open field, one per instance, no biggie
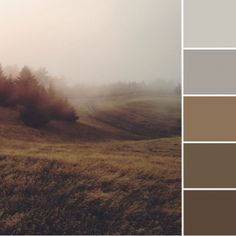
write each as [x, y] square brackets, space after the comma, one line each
[115, 172]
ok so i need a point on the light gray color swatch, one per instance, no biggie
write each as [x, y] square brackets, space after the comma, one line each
[209, 23]
[210, 72]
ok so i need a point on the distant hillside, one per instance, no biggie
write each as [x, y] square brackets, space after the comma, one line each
[103, 119]
[146, 117]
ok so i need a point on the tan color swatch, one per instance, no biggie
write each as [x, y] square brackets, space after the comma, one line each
[210, 118]
[209, 213]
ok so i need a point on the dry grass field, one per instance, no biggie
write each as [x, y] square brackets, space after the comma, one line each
[116, 171]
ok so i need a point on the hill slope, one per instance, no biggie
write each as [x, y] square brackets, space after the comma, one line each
[141, 117]
[89, 178]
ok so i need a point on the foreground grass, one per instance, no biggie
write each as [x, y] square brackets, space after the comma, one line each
[112, 193]
[55, 181]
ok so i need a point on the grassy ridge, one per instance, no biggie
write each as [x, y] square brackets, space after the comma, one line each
[91, 178]
[143, 117]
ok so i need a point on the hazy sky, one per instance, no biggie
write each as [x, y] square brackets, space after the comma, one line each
[93, 40]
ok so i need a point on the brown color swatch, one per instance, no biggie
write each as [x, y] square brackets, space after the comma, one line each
[209, 165]
[210, 118]
[209, 213]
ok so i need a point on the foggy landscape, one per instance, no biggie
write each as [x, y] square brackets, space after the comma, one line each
[93, 41]
[90, 117]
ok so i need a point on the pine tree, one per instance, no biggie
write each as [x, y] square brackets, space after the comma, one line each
[4, 88]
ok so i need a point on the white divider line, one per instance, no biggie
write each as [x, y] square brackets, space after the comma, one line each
[209, 48]
[182, 115]
[210, 95]
[209, 189]
[209, 142]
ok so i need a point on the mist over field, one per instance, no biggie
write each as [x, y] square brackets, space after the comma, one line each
[93, 41]
[90, 117]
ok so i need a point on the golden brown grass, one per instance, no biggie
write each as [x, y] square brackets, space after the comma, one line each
[63, 183]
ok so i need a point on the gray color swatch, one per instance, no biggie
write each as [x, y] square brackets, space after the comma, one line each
[210, 71]
[209, 23]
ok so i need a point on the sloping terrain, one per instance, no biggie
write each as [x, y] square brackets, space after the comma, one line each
[144, 117]
[92, 177]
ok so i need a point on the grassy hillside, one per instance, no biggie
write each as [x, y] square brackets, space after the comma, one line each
[101, 176]
[142, 117]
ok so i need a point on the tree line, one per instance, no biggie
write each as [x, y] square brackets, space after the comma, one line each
[37, 104]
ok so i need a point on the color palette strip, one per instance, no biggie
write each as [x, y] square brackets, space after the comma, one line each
[209, 105]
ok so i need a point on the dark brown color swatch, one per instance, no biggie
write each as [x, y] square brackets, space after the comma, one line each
[210, 118]
[209, 165]
[209, 213]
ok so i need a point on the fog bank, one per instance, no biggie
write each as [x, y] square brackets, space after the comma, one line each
[93, 41]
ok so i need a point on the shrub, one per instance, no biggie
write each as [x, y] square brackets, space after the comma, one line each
[34, 117]
[38, 105]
